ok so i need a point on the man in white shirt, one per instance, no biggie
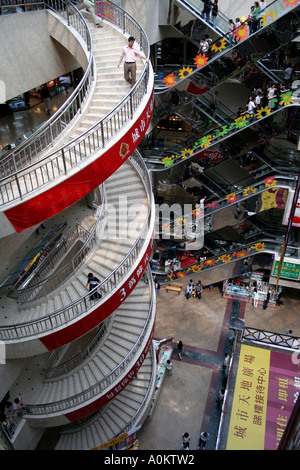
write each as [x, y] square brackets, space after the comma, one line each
[129, 54]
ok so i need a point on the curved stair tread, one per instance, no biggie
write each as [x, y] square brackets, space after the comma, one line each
[89, 373]
[113, 418]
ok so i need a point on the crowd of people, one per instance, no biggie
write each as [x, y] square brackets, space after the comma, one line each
[210, 12]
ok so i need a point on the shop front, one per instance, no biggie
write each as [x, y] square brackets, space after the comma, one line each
[242, 288]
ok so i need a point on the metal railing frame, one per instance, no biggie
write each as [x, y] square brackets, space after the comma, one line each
[17, 184]
[78, 308]
[99, 387]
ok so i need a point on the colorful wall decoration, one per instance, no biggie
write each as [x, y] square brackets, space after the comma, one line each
[267, 387]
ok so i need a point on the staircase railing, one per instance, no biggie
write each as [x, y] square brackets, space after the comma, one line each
[36, 175]
[74, 310]
[50, 282]
[98, 388]
[40, 140]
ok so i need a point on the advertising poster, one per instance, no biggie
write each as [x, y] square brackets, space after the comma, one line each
[267, 387]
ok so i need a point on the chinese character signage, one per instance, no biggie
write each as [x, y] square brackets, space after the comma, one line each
[288, 270]
[267, 387]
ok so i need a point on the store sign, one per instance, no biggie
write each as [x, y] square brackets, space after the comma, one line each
[267, 388]
[288, 270]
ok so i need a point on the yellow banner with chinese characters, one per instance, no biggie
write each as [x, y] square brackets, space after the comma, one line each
[249, 409]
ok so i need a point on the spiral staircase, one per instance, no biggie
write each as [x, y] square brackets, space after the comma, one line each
[93, 152]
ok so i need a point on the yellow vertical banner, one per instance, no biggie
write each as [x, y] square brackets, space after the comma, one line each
[249, 409]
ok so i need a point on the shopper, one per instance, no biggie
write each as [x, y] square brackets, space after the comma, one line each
[45, 95]
[288, 76]
[266, 301]
[198, 290]
[188, 291]
[129, 54]
[185, 441]
[230, 33]
[225, 365]
[214, 13]
[169, 367]
[255, 298]
[221, 396]
[203, 438]
[180, 349]
[206, 10]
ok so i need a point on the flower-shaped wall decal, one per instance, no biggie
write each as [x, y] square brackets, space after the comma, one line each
[212, 205]
[286, 98]
[186, 153]
[181, 274]
[170, 80]
[249, 191]
[224, 258]
[221, 131]
[209, 262]
[270, 181]
[268, 17]
[166, 226]
[241, 33]
[197, 213]
[180, 220]
[258, 246]
[231, 198]
[168, 161]
[240, 122]
[205, 141]
[219, 45]
[185, 71]
[196, 268]
[263, 112]
[201, 60]
[290, 3]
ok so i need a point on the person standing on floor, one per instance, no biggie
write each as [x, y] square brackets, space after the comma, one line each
[203, 438]
[169, 367]
[129, 54]
[185, 441]
[198, 290]
[45, 95]
[180, 349]
[266, 301]
[89, 5]
[255, 298]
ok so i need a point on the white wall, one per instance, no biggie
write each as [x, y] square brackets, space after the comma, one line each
[29, 56]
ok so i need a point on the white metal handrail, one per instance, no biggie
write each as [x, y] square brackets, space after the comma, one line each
[40, 140]
[74, 310]
[36, 175]
[105, 383]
